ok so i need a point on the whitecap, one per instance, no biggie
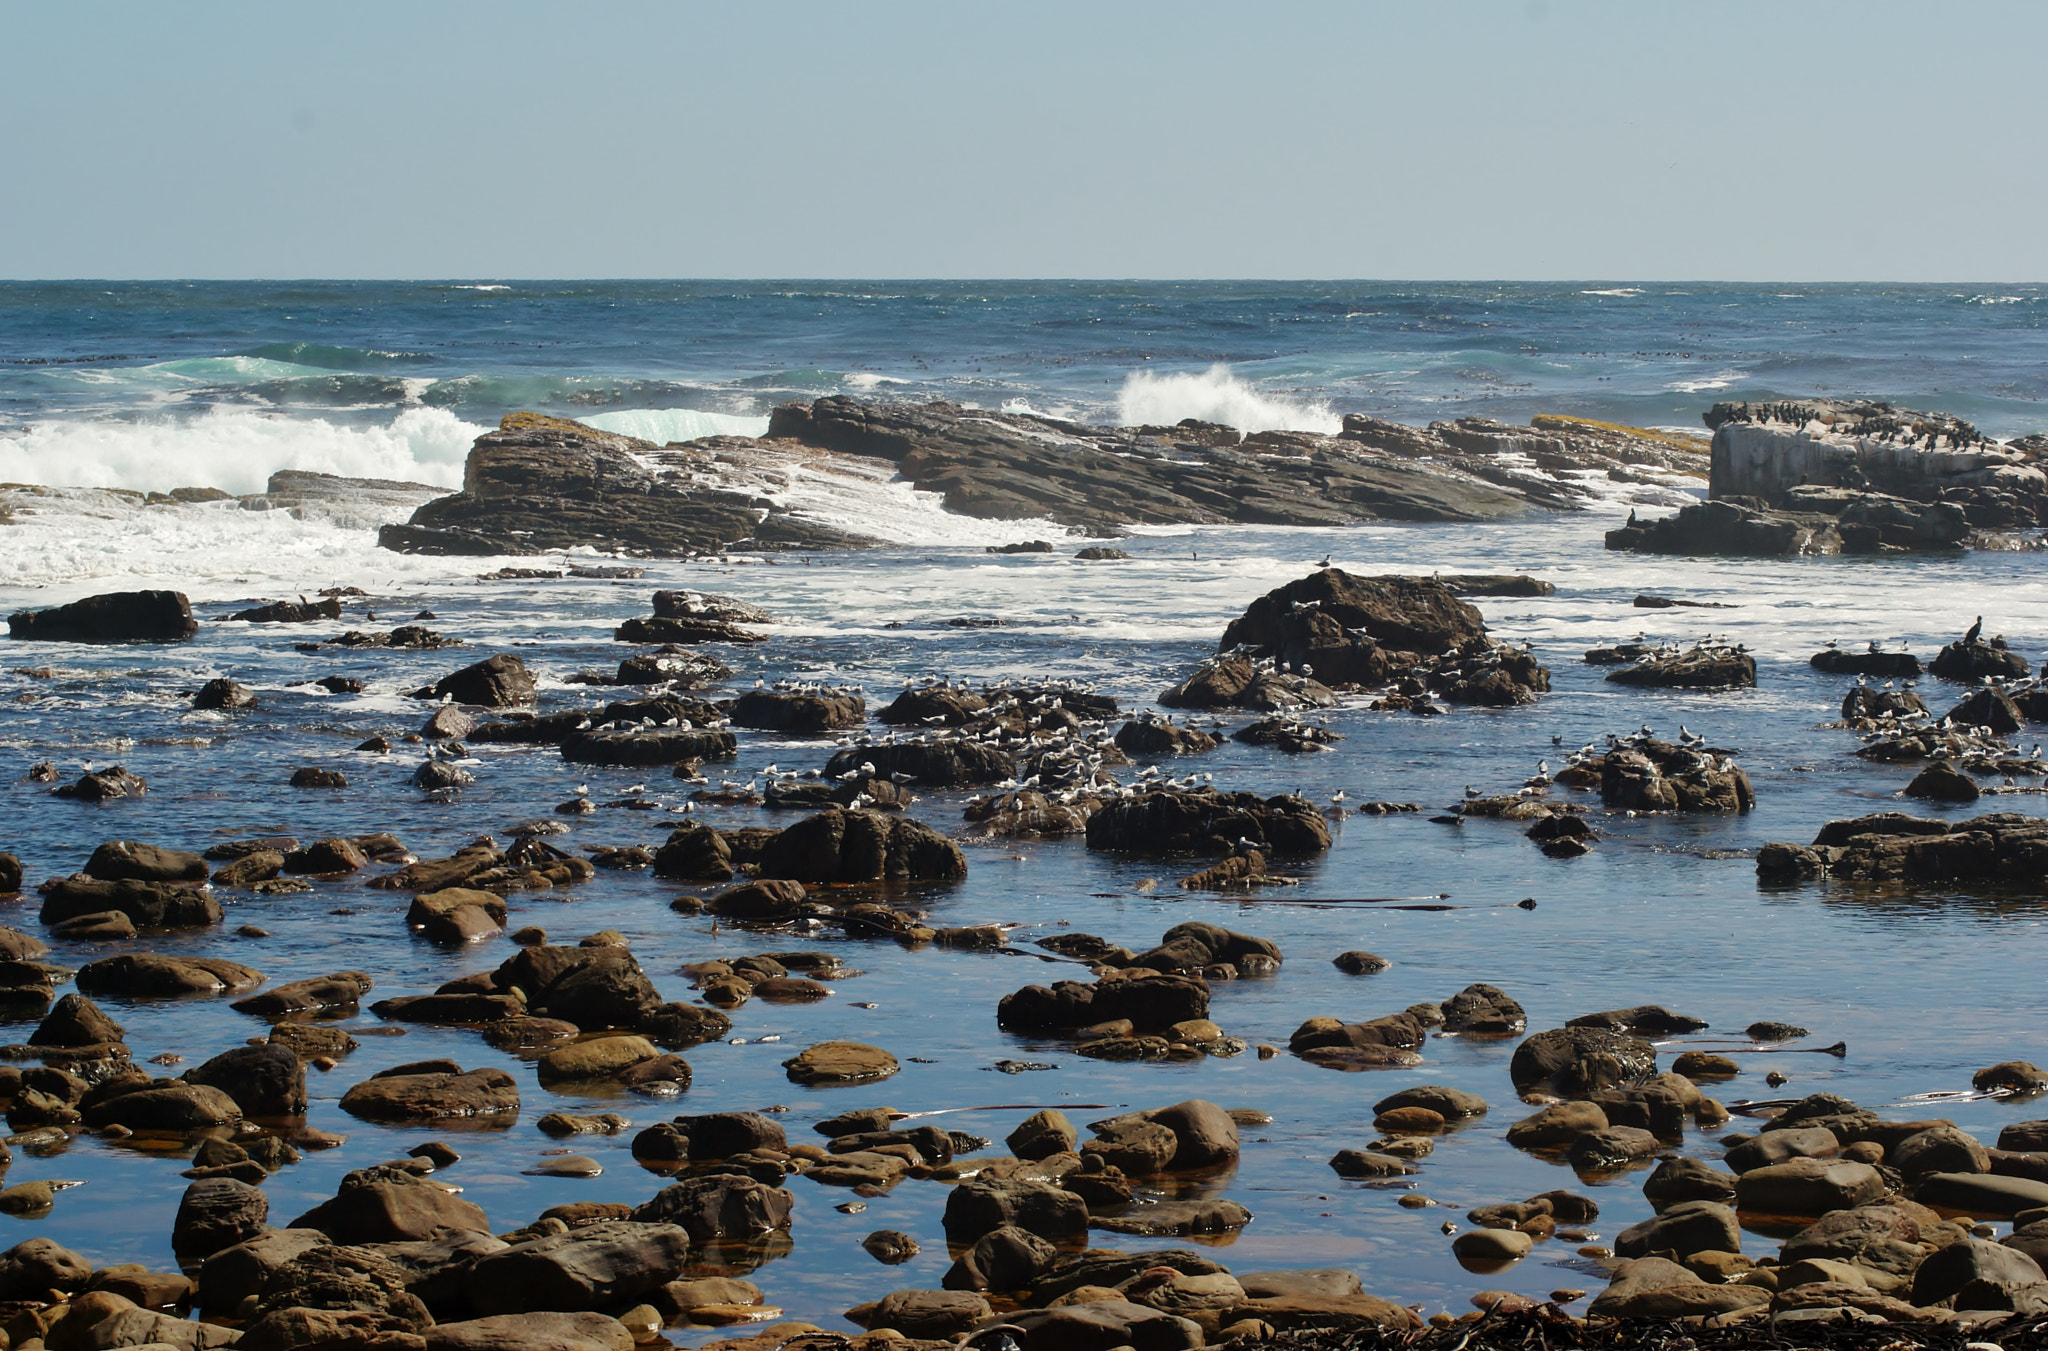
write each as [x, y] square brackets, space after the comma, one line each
[1216, 395]
[1616, 291]
[663, 425]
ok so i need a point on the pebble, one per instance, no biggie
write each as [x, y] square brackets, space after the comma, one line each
[569, 1165]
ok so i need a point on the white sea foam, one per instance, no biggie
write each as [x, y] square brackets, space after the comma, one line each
[663, 425]
[1719, 380]
[1216, 395]
[1616, 291]
[870, 380]
[235, 450]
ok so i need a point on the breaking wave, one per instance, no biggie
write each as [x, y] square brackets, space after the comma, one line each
[1216, 395]
[234, 450]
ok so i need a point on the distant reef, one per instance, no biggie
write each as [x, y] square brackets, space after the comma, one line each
[540, 483]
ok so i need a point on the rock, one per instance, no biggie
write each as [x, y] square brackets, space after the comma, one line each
[338, 1279]
[1684, 1228]
[596, 988]
[1204, 821]
[495, 682]
[115, 617]
[532, 1332]
[289, 612]
[1577, 1060]
[1733, 530]
[1702, 667]
[1557, 1126]
[237, 1273]
[608, 1263]
[1651, 1287]
[1158, 736]
[1941, 1149]
[1981, 1194]
[76, 1022]
[1043, 1134]
[265, 1080]
[598, 1058]
[768, 901]
[1973, 659]
[222, 693]
[126, 860]
[1681, 1179]
[1647, 775]
[387, 1205]
[840, 1062]
[1177, 1217]
[2018, 1078]
[154, 1330]
[1943, 782]
[1492, 1246]
[934, 1314]
[538, 484]
[166, 1105]
[672, 666]
[1368, 1163]
[1948, 1270]
[800, 713]
[1807, 1186]
[1483, 1009]
[216, 1213]
[406, 1094]
[251, 868]
[719, 1206]
[339, 991]
[1002, 1259]
[1890, 846]
[1779, 1146]
[982, 1205]
[148, 905]
[861, 846]
[694, 853]
[32, 1268]
[155, 975]
[890, 1247]
[327, 858]
[457, 915]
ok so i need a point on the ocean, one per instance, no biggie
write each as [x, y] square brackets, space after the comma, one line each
[112, 390]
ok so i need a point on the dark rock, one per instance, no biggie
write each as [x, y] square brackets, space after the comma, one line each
[1576, 1060]
[648, 746]
[983, 1205]
[104, 785]
[1649, 775]
[673, 666]
[931, 764]
[1839, 662]
[607, 1264]
[340, 991]
[538, 484]
[496, 682]
[222, 693]
[1156, 736]
[265, 1080]
[1947, 1271]
[800, 713]
[406, 1094]
[861, 846]
[216, 1213]
[1943, 782]
[1731, 529]
[290, 612]
[1204, 821]
[1973, 659]
[310, 777]
[116, 617]
[126, 860]
[75, 1022]
[1701, 667]
[719, 1206]
[390, 1205]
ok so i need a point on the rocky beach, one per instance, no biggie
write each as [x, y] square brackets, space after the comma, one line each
[897, 873]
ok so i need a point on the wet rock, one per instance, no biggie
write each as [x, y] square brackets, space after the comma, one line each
[310, 777]
[1176, 1217]
[148, 905]
[337, 1279]
[266, 1080]
[1204, 821]
[222, 693]
[165, 1105]
[1731, 529]
[595, 988]
[1366, 1163]
[670, 665]
[1487, 1246]
[311, 1040]
[1451, 1104]
[114, 617]
[1684, 1228]
[32, 1268]
[982, 1205]
[768, 901]
[1359, 963]
[1483, 1009]
[290, 612]
[533, 1332]
[1161, 736]
[1890, 846]
[501, 681]
[74, 1023]
[1681, 1179]
[930, 764]
[861, 846]
[1942, 1149]
[800, 713]
[216, 1213]
[128, 860]
[890, 1246]
[389, 1205]
[405, 1093]
[1943, 782]
[340, 991]
[1003, 1259]
[1576, 1060]
[1701, 667]
[1042, 1135]
[605, 1264]
[1557, 1126]
[1650, 775]
[457, 915]
[435, 775]
[1781, 1146]
[598, 1058]
[1651, 1287]
[148, 974]
[2018, 1078]
[1837, 661]
[1947, 1272]
[1807, 1186]
[840, 1062]
[694, 853]
[719, 1206]
[1972, 659]
[1981, 1194]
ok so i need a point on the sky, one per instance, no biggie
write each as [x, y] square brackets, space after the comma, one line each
[1525, 139]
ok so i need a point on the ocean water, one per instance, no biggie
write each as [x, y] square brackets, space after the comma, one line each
[156, 386]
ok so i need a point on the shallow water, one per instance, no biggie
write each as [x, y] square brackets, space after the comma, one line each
[1924, 987]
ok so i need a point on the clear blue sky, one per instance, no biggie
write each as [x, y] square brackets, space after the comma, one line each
[1524, 139]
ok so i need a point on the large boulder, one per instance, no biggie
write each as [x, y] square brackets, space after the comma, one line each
[928, 764]
[391, 1205]
[265, 1080]
[861, 846]
[603, 1265]
[720, 1206]
[1577, 1061]
[216, 1213]
[596, 988]
[128, 860]
[1204, 821]
[116, 617]
[148, 905]
[1410, 614]
[807, 712]
[416, 1093]
[133, 975]
[495, 682]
